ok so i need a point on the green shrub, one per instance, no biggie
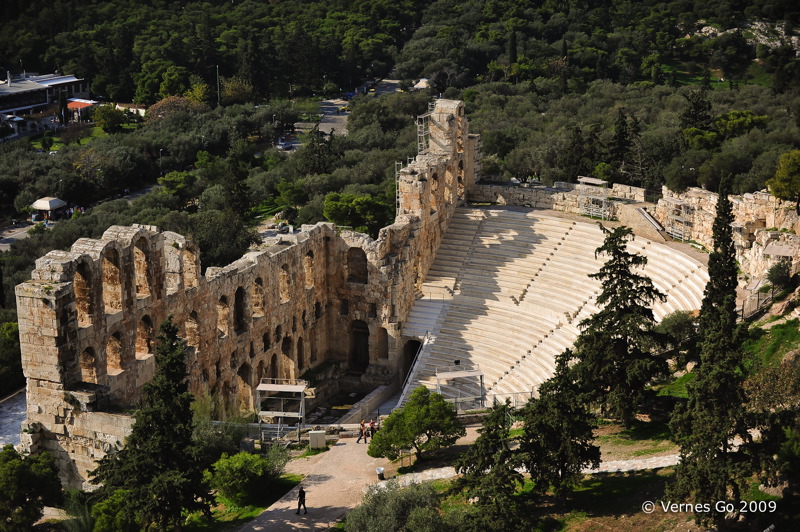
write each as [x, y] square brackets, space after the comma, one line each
[389, 508]
[240, 478]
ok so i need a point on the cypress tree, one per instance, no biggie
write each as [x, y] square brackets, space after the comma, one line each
[489, 468]
[713, 466]
[557, 439]
[621, 143]
[614, 364]
[158, 468]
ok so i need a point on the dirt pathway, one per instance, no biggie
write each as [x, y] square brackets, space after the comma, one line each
[334, 482]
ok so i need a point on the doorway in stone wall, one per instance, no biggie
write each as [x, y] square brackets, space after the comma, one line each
[359, 346]
[409, 352]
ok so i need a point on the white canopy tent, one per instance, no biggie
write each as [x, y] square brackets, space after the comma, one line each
[48, 204]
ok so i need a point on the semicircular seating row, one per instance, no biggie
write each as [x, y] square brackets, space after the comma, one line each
[507, 292]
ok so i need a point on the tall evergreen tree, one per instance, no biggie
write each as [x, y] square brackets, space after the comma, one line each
[158, 467]
[489, 468]
[621, 143]
[711, 427]
[557, 439]
[613, 361]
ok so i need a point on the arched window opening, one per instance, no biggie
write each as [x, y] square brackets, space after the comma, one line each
[359, 346]
[81, 283]
[259, 372]
[239, 323]
[461, 180]
[284, 284]
[88, 366]
[449, 185]
[114, 354]
[409, 352]
[317, 310]
[278, 334]
[301, 355]
[189, 268]
[434, 192]
[274, 370]
[357, 266]
[192, 334]
[112, 281]
[258, 298]
[245, 372]
[223, 316]
[141, 268]
[144, 338]
[383, 343]
[308, 269]
[286, 347]
[265, 340]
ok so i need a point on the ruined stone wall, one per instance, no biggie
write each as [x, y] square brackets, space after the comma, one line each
[759, 219]
[564, 197]
[88, 317]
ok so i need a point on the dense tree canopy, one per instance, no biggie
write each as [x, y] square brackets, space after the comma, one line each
[27, 484]
[613, 359]
[158, 467]
[425, 423]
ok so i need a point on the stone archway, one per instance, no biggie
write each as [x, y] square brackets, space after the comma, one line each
[359, 346]
[409, 351]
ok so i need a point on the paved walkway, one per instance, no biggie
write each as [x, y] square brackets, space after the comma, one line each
[12, 414]
[335, 482]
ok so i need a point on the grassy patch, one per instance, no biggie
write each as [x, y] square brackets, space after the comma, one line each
[677, 388]
[228, 518]
[769, 347]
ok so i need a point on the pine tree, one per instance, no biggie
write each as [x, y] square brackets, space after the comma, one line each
[557, 440]
[713, 466]
[489, 466]
[614, 364]
[158, 467]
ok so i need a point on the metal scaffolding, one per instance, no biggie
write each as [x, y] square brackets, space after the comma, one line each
[281, 406]
[593, 197]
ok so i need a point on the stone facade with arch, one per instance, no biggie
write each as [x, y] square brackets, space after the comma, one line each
[89, 316]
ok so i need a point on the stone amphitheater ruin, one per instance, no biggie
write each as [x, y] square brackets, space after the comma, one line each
[481, 289]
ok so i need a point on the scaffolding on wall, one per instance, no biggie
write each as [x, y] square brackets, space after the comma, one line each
[281, 402]
[456, 372]
[593, 197]
[424, 129]
[678, 223]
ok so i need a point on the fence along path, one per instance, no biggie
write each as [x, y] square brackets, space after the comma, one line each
[508, 289]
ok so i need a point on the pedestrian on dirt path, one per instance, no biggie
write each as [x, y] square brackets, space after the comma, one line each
[362, 433]
[372, 428]
[301, 501]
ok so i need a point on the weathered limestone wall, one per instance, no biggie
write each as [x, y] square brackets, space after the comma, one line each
[563, 197]
[88, 316]
[760, 219]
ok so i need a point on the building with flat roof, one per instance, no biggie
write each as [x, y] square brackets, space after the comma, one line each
[27, 94]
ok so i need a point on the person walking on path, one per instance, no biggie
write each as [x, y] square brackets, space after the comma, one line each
[372, 428]
[362, 433]
[301, 501]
